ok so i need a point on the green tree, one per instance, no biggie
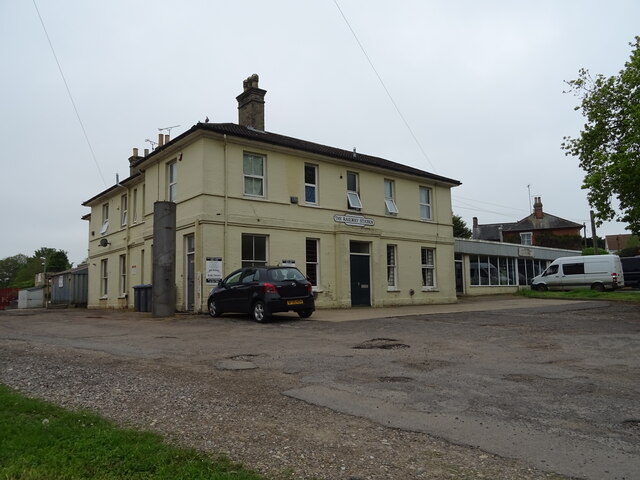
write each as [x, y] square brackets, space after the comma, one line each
[608, 147]
[9, 268]
[460, 229]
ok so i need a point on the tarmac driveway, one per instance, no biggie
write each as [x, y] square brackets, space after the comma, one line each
[553, 384]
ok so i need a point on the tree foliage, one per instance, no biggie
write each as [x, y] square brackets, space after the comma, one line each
[460, 229]
[608, 147]
[20, 271]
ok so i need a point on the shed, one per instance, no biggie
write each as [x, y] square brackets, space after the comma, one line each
[70, 287]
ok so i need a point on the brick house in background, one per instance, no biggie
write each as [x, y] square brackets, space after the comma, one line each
[539, 229]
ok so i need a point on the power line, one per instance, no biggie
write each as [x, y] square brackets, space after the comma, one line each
[86, 137]
[385, 87]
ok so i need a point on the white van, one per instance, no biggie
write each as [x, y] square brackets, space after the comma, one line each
[598, 272]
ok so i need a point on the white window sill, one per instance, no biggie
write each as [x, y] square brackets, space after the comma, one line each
[104, 297]
[393, 289]
[430, 289]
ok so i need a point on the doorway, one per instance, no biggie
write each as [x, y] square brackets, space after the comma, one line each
[360, 271]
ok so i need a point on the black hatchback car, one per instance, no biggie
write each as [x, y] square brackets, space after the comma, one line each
[261, 291]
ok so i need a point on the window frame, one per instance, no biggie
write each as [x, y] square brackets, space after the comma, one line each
[312, 263]
[104, 278]
[122, 277]
[124, 200]
[253, 262]
[105, 219]
[427, 205]
[426, 267]
[526, 238]
[389, 197]
[134, 205]
[392, 267]
[172, 181]
[312, 186]
[353, 197]
[262, 178]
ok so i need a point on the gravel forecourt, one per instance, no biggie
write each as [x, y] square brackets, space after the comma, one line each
[222, 396]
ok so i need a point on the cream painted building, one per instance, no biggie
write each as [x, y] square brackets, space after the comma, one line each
[365, 230]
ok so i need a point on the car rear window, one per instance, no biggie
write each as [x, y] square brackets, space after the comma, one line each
[283, 274]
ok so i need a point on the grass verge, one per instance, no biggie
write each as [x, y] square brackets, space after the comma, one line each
[41, 441]
[585, 294]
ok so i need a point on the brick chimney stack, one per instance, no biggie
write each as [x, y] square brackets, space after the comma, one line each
[251, 104]
[537, 208]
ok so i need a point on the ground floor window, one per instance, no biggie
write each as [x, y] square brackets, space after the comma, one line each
[254, 250]
[104, 277]
[312, 260]
[392, 267]
[428, 267]
[493, 271]
[529, 268]
[122, 287]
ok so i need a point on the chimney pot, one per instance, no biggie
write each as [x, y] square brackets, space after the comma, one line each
[537, 208]
[135, 152]
[146, 152]
[160, 139]
[251, 104]
[166, 139]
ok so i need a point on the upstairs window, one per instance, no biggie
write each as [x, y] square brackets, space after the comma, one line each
[172, 185]
[105, 219]
[123, 210]
[135, 205]
[311, 184]
[526, 238]
[353, 197]
[425, 203]
[254, 177]
[389, 194]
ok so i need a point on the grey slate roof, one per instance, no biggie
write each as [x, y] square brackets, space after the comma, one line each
[249, 133]
[305, 146]
[547, 222]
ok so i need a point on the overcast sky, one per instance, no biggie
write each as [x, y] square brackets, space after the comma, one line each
[480, 84]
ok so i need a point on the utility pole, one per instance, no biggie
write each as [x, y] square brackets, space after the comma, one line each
[594, 237]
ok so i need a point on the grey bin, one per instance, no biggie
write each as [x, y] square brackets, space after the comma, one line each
[142, 298]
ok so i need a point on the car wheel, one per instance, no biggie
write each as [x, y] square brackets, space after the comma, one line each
[305, 313]
[214, 311]
[598, 287]
[259, 312]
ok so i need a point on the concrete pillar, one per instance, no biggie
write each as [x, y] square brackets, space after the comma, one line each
[164, 259]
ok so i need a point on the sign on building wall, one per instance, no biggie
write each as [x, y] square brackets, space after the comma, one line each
[213, 270]
[354, 220]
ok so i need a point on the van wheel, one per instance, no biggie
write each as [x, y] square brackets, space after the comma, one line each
[598, 287]
[542, 287]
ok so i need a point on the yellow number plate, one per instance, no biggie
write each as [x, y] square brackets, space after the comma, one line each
[294, 302]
